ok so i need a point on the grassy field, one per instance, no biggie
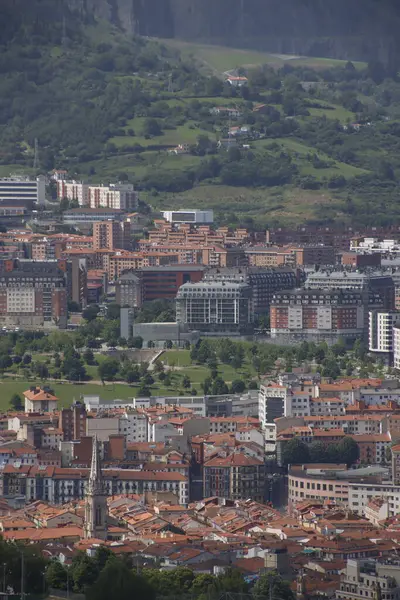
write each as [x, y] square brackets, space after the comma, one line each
[222, 58]
[286, 203]
[184, 134]
[299, 152]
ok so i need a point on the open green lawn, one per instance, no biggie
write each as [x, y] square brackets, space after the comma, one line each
[183, 134]
[222, 58]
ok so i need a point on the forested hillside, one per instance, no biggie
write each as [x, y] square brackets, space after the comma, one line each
[302, 141]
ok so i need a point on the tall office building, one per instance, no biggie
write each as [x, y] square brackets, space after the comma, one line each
[22, 191]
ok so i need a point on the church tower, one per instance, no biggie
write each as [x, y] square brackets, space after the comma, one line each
[96, 499]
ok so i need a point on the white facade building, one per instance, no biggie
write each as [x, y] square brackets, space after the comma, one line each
[396, 346]
[360, 494]
[133, 425]
[73, 190]
[381, 330]
[197, 217]
[117, 196]
[20, 190]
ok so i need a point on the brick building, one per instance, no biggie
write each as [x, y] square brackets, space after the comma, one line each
[236, 476]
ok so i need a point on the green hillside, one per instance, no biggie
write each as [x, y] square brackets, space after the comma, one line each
[319, 138]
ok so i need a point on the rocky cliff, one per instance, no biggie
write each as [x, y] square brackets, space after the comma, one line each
[357, 29]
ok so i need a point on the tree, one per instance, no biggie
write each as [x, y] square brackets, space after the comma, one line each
[186, 382]
[151, 127]
[90, 313]
[5, 362]
[135, 342]
[219, 387]
[318, 453]
[348, 451]
[113, 311]
[73, 368]
[295, 452]
[88, 357]
[27, 359]
[168, 344]
[271, 585]
[56, 575]
[108, 369]
[16, 402]
[238, 386]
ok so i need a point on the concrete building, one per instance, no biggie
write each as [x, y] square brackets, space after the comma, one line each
[128, 290]
[237, 477]
[114, 196]
[215, 307]
[360, 495]
[84, 218]
[263, 282]
[22, 191]
[396, 346]
[112, 235]
[165, 283]
[334, 482]
[370, 579]
[195, 216]
[327, 314]
[33, 294]
[381, 325]
[73, 422]
[77, 281]
[73, 190]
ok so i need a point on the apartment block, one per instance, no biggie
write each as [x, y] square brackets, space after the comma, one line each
[381, 325]
[33, 294]
[112, 235]
[114, 196]
[263, 282]
[237, 476]
[73, 190]
[215, 306]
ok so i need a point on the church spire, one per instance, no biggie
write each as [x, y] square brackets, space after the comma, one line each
[95, 477]
[96, 503]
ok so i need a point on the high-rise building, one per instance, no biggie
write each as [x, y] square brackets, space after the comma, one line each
[77, 280]
[22, 191]
[33, 294]
[381, 324]
[128, 290]
[95, 525]
[215, 306]
[112, 235]
[73, 422]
